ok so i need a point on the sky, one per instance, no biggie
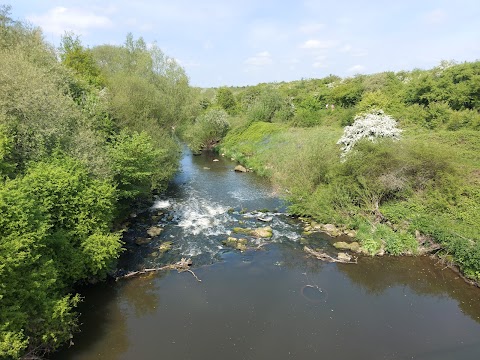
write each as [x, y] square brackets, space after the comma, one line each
[246, 42]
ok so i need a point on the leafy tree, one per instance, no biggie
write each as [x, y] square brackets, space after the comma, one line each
[76, 57]
[225, 99]
[55, 230]
[207, 130]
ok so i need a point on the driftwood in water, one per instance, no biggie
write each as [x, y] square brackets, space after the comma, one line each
[180, 266]
[320, 255]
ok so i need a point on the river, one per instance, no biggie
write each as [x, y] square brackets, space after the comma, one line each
[267, 303]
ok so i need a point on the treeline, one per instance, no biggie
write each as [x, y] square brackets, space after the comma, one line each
[83, 134]
[411, 175]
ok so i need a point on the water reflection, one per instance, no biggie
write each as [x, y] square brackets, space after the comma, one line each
[104, 331]
[420, 275]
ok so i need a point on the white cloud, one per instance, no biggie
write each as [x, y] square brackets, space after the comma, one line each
[261, 59]
[437, 16]
[356, 68]
[311, 28]
[318, 44]
[61, 19]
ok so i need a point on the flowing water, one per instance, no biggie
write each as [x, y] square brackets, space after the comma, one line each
[266, 303]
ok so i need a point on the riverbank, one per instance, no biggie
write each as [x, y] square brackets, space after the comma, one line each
[400, 198]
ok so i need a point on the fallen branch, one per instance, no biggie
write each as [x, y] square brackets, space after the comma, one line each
[180, 266]
[320, 255]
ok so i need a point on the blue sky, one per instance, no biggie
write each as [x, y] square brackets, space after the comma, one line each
[245, 42]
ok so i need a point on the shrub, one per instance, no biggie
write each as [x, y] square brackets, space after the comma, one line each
[369, 126]
[207, 130]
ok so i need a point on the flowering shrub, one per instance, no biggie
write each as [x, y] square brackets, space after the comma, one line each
[371, 126]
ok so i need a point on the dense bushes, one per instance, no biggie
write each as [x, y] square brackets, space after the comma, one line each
[55, 231]
[80, 141]
[207, 129]
[390, 191]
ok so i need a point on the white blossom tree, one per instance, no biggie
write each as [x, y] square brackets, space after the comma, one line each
[370, 126]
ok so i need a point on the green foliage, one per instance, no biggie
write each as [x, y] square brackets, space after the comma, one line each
[135, 161]
[225, 99]
[207, 130]
[76, 57]
[50, 217]
[76, 137]
[348, 92]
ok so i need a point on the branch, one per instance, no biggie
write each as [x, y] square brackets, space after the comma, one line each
[180, 266]
[320, 255]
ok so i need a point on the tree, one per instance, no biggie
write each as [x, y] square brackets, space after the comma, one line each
[225, 99]
[76, 57]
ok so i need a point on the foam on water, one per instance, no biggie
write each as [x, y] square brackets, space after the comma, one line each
[161, 204]
[198, 215]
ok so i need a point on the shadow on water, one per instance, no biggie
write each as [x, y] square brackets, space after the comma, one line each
[273, 303]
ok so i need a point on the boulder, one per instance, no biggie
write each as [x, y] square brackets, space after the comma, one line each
[331, 230]
[265, 218]
[240, 168]
[239, 244]
[342, 245]
[344, 257]
[154, 231]
[350, 233]
[264, 232]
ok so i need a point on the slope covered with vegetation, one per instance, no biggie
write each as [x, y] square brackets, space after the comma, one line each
[397, 156]
[82, 136]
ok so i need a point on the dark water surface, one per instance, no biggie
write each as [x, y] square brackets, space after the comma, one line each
[272, 303]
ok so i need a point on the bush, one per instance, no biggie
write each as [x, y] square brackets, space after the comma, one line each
[207, 130]
[55, 231]
[370, 126]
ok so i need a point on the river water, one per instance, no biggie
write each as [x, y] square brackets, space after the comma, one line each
[266, 303]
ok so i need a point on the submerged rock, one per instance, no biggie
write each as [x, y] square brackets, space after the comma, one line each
[154, 231]
[164, 247]
[142, 241]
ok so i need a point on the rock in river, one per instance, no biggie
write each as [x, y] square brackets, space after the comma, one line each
[154, 231]
[240, 168]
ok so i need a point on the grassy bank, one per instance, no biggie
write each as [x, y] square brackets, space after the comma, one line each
[397, 193]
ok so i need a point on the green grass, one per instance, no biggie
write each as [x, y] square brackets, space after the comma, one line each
[427, 182]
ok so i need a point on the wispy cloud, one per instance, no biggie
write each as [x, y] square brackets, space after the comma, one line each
[60, 19]
[318, 44]
[261, 59]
